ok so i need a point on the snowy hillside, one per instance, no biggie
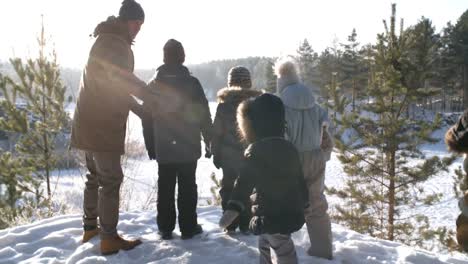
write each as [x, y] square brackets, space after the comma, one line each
[57, 240]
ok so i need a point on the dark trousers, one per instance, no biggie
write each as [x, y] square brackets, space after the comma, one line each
[187, 196]
[230, 176]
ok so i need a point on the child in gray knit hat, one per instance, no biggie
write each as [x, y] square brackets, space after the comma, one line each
[226, 145]
[239, 76]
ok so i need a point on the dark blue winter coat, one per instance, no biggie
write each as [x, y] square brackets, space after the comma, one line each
[274, 170]
[173, 125]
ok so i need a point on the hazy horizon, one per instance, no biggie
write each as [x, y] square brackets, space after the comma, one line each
[212, 30]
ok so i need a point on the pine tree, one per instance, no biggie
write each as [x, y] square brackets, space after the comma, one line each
[460, 45]
[43, 118]
[446, 68]
[423, 45]
[307, 60]
[327, 68]
[15, 175]
[353, 78]
[15, 180]
[270, 77]
[380, 150]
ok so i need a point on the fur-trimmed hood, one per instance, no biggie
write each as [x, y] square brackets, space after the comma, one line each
[463, 204]
[456, 136]
[236, 94]
[262, 117]
[113, 25]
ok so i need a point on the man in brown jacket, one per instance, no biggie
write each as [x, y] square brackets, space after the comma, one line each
[99, 122]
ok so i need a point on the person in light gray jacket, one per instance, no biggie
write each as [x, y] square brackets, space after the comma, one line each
[306, 128]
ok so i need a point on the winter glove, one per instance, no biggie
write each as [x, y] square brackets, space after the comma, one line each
[257, 225]
[228, 217]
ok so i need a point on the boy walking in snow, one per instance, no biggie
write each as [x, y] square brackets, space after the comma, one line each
[307, 130]
[273, 168]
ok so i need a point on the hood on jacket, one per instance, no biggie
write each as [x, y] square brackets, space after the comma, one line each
[285, 81]
[297, 96]
[456, 136]
[236, 94]
[261, 117]
[171, 71]
[113, 25]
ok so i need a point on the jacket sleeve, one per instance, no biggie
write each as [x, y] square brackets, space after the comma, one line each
[305, 193]
[326, 140]
[218, 132]
[136, 108]
[114, 56]
[148, 131]
[323, 116]
[203, 108]
[301, 180]
[243, 187]
[143, 112]
[326, 143]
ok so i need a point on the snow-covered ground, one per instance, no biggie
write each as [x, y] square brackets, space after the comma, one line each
[57, 240]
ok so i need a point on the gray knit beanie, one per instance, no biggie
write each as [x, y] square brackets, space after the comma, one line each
[239, 76]
[131, 10]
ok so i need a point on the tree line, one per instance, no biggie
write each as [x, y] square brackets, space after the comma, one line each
[433, 59]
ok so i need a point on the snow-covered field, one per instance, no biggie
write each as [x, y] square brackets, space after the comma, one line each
[57, 240]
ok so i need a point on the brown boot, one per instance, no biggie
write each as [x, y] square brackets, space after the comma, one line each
[114, 244]
[89, 234]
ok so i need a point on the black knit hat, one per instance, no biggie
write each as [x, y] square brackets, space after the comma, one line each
[173, 52]
[267, 116]
[131, 10]
[239, 76]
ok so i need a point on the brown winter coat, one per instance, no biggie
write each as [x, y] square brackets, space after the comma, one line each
[226, 146]
[99, 122]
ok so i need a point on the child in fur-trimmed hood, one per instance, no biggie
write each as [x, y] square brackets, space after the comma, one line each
[456, 138]
[273, 168]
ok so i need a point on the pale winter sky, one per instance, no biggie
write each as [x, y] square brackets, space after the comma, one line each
[210, 29]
